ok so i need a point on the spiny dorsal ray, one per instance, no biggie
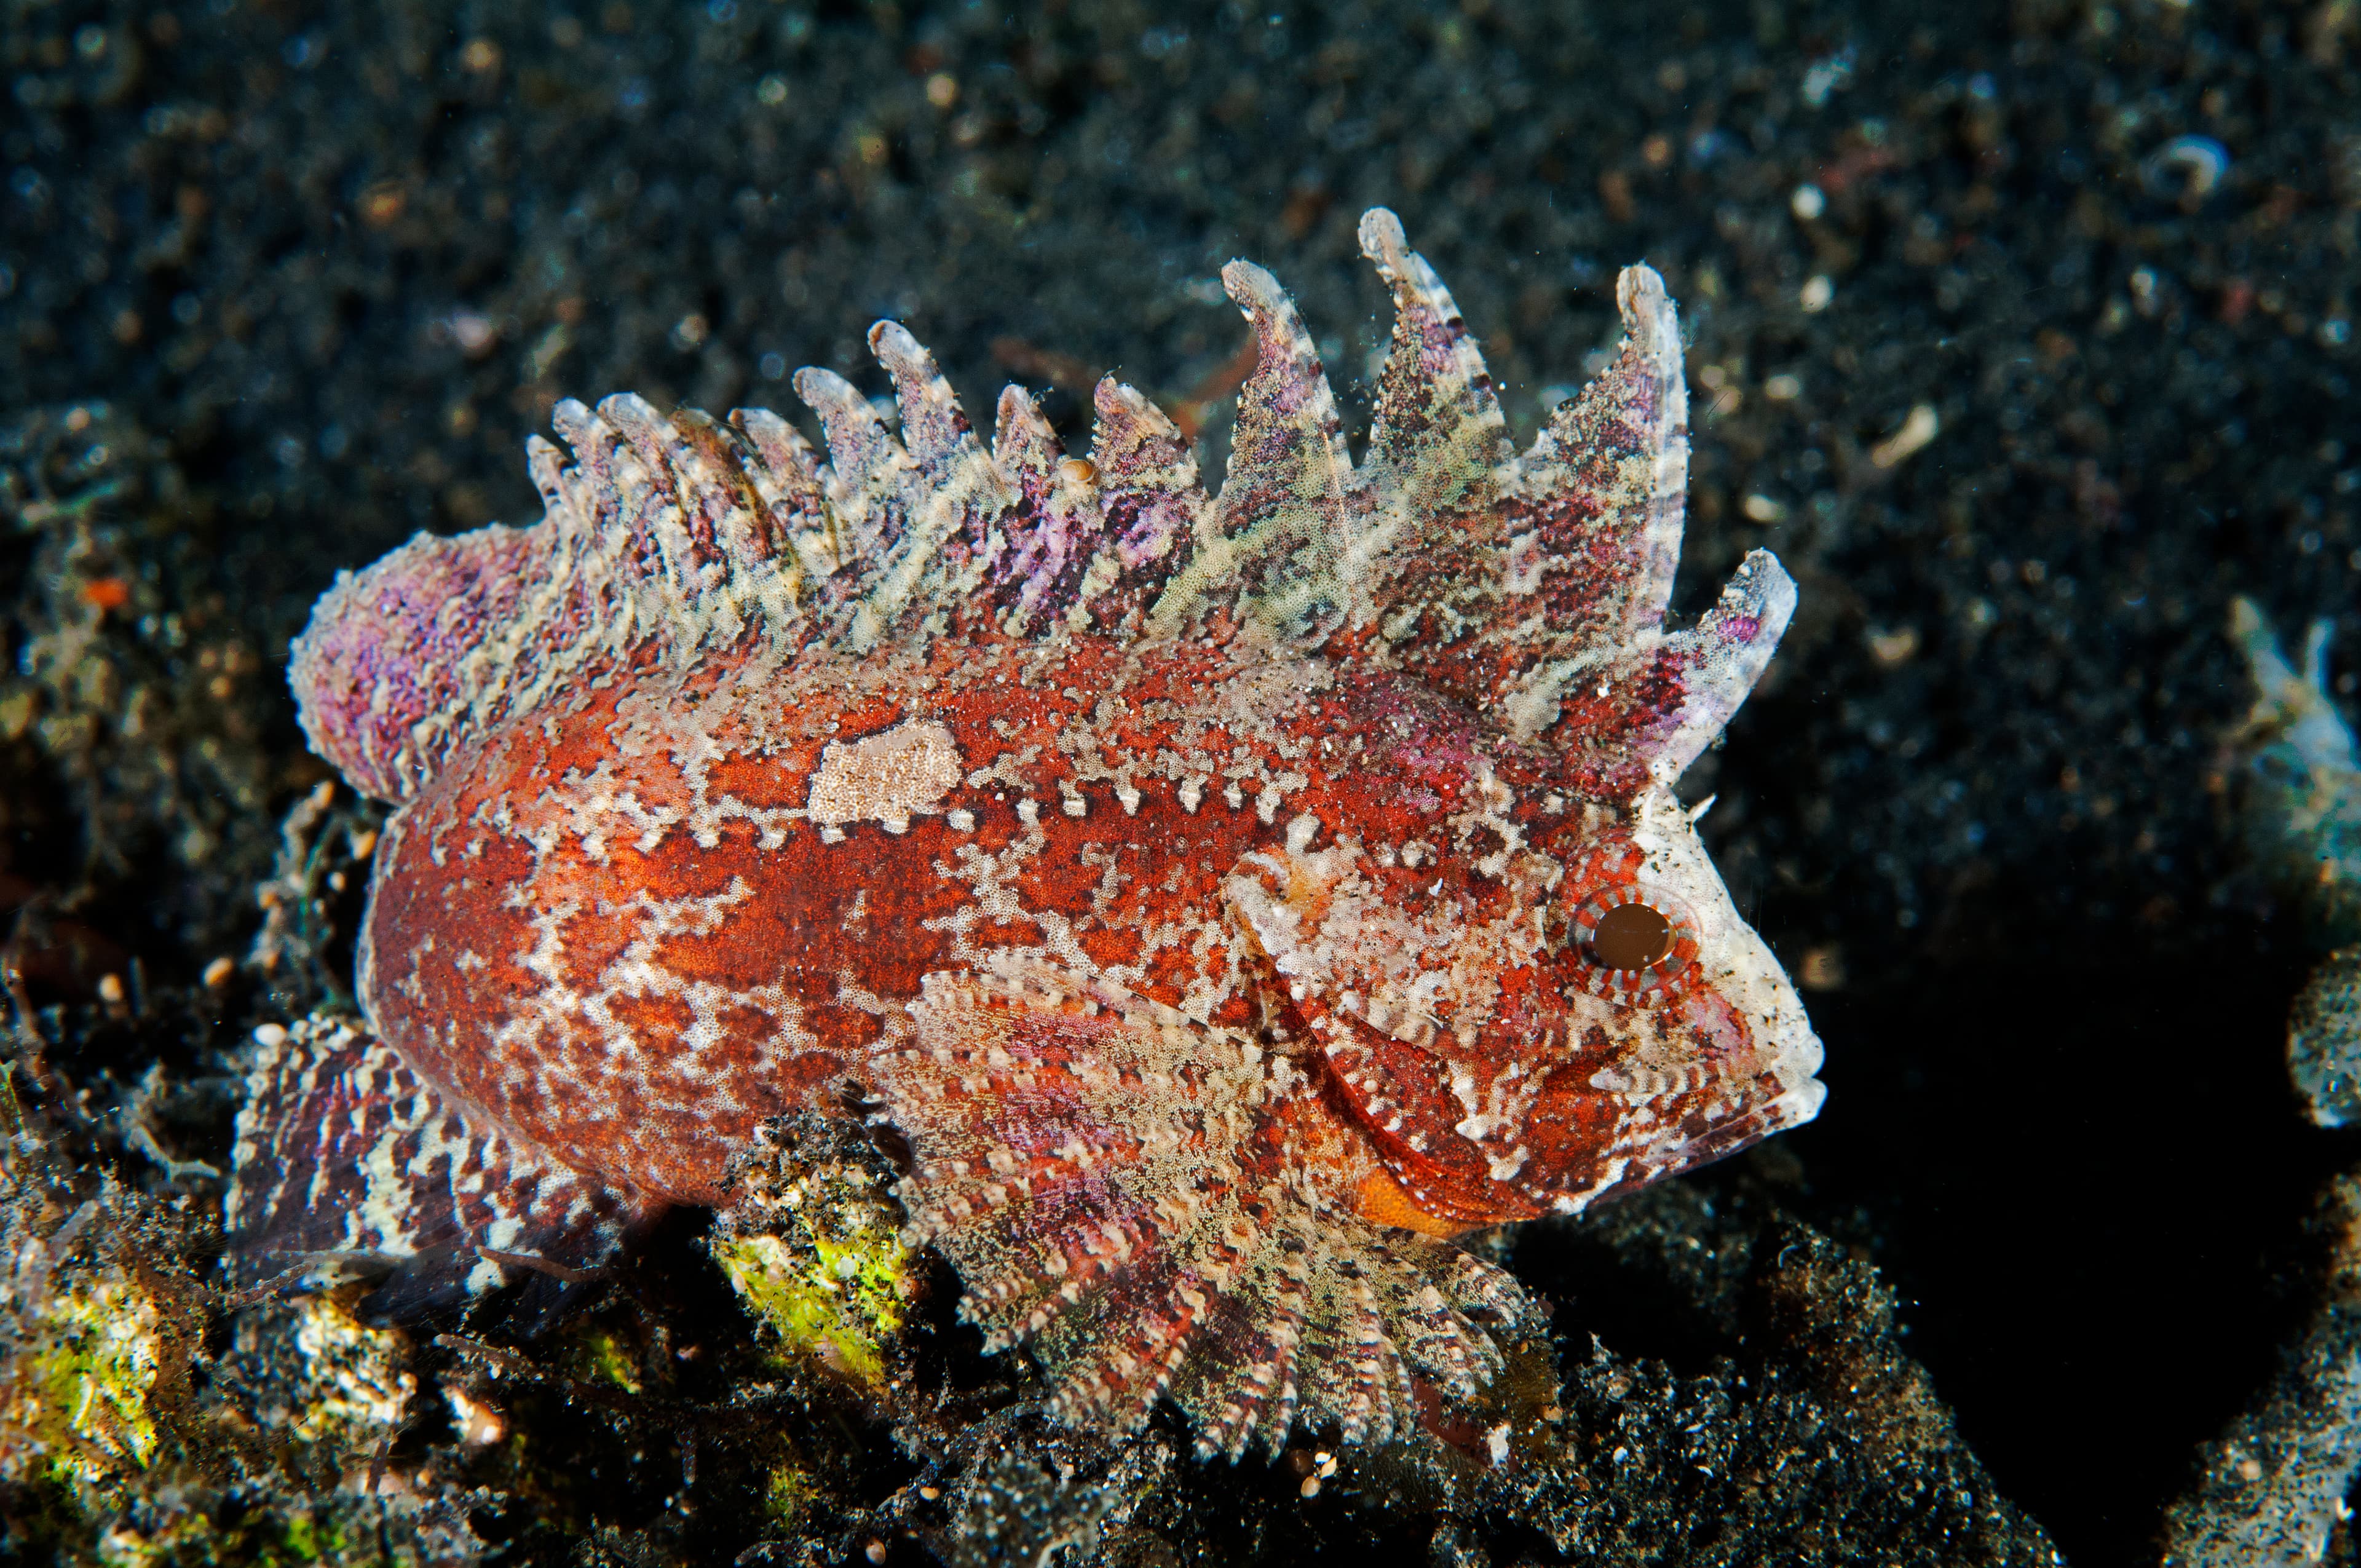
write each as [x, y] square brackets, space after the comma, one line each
[1146, 471]
[1280, 530]
[1531, 590]
[1438, 460]
[953, 494]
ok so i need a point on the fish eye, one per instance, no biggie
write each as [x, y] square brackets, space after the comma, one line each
[1632, 936]
[1637, 943]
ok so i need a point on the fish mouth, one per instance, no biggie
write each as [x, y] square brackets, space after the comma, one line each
[1733, 1134]
[1785, 1094]
[1794, 1061]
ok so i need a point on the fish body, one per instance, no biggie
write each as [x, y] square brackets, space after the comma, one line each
[1228, 898]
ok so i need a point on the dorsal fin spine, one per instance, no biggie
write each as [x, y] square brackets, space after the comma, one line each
[957, 485]
[787, 476]
[1145, 475]
[863, 479]
[1279, 531]
[1057, 516]
[1438, 423]
[1500, 582]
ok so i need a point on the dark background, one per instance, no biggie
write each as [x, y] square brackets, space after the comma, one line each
[343, 260]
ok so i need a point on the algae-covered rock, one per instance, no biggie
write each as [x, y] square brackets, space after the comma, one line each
[146, 1417]
[836, 1304]
[212, 1530]
[100, 1321]
[305, 1367]
[77, 1384]
[813, 1243]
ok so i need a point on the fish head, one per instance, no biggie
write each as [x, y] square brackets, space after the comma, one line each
[1528, 1030]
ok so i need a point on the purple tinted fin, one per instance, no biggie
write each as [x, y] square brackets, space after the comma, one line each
[349, 1165]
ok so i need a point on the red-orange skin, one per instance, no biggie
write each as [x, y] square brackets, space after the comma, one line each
[459, 876]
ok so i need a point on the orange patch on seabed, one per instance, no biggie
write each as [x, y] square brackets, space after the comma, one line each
[1218, 386]
[107, 593]
[1189, 411]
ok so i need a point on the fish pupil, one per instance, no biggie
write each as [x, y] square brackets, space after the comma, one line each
[1631, 937]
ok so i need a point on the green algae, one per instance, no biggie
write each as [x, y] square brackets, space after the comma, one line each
[597, 1354]
[82, 1395]
[270, 1541]
[788, 1494]
[829, 1298]
[812, 1241]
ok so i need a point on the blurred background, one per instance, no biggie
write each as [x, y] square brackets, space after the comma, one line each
[2022, 333]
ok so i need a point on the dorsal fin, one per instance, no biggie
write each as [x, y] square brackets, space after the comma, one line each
[866, 476]
[949, 499]
[1609, 476]
[787, 476]
[1280, 533]
[1058, 517]
[1644, 715]
[679, 531]
[652, 543]
[1438, 431]
[1146, 471]
[1533, 591]
[1438, 458]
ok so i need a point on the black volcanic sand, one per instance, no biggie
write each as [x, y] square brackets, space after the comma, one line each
[342, 262]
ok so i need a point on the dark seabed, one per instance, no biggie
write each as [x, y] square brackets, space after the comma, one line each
[2023, 333]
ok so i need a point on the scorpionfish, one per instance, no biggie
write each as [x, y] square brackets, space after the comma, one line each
[1228, 898]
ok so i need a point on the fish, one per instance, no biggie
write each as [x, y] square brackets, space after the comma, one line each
[1228, 899]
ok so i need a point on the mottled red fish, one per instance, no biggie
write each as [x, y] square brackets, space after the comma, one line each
[1229, 898]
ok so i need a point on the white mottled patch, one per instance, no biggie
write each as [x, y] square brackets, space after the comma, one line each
[885, 778]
